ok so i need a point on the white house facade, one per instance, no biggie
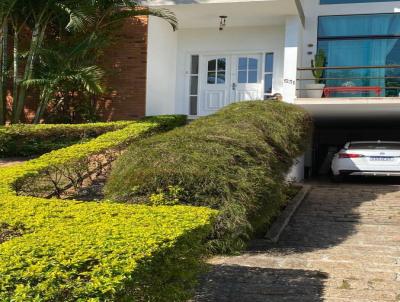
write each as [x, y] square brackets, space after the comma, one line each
[229, 51]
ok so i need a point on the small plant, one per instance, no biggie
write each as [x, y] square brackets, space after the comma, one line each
[318, 62]
[172, 196]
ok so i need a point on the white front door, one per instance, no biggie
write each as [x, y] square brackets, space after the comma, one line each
[227, 79]
[215, 83]
[247, 80]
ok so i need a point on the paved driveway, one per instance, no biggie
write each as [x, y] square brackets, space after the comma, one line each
[343, 244]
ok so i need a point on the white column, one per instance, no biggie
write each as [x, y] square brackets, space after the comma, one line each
[161, 67]
[293, 33]
[291, 57]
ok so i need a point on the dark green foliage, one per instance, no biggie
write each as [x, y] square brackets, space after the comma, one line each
[168, 122]
[235, 161]
[28, 140]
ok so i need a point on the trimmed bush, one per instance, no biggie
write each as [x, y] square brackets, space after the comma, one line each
[74, 251]
[235, 161]
[70, 165]
[53, 250]
[28, 140]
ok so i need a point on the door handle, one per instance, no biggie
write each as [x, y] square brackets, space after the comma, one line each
[233, 86]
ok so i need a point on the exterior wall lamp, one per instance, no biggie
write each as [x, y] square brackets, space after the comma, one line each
[222, 22]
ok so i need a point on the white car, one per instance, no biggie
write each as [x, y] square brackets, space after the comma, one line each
[369, 158]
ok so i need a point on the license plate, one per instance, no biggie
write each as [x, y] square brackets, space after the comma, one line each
[381, 158]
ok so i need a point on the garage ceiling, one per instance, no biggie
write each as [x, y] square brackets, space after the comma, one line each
[381, 111]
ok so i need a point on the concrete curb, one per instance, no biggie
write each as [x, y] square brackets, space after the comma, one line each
[282, 221]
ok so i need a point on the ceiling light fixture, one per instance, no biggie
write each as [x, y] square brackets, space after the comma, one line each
[222, 22]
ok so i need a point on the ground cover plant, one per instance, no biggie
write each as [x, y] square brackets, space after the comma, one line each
[74, 251]
[29, 140]
[55, 250]
[50, 172]
[235, 161]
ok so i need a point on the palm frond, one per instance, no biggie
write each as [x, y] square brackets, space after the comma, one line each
[35, 83]
[136, 11]
[79, 18]
[163, 13]
[91, 78]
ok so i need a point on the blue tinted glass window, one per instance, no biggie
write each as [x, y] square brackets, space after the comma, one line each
[252, 76]
[268, 83]
[253, 63]
[359, 25]
[242, 63]
[242, 77]
[350, 1]
[358, 41]
[269, 62]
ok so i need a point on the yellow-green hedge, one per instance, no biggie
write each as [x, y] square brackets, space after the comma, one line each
[12, 177]
[27, 140]
[76, 251]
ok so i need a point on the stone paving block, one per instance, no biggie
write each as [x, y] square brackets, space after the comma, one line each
[342, 245]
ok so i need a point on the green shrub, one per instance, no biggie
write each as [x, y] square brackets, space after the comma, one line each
[53, 250]
[28, 140]
[45, 174]
[74, 251]
[235, 161]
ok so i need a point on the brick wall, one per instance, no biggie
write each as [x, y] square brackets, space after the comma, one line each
[125, 64]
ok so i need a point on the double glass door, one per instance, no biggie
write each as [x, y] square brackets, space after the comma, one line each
[229, 78]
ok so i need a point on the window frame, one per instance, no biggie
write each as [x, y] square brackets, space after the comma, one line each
[193, 109]
[248, 70]
[265, 72]
[217, 71]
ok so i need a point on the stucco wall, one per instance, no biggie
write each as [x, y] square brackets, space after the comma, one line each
[169, 58]
[161, 68]
[230, 41]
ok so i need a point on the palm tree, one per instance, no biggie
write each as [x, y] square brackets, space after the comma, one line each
[61, 73]
[92, 20]
[41, 14]
[6, 8]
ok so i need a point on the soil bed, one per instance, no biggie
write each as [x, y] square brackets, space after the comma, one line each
[8, 232]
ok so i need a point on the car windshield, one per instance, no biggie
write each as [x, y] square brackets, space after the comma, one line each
[375, 146]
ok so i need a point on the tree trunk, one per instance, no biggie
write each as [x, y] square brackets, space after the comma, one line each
[1, 46]
[3, 72]
[39, 113]
[20, 102]
[15, 67]
[41, 108]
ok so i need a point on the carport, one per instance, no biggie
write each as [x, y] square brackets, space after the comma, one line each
[338, 121]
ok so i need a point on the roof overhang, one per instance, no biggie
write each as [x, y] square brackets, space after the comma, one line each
[205, 13]
[384, 111]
